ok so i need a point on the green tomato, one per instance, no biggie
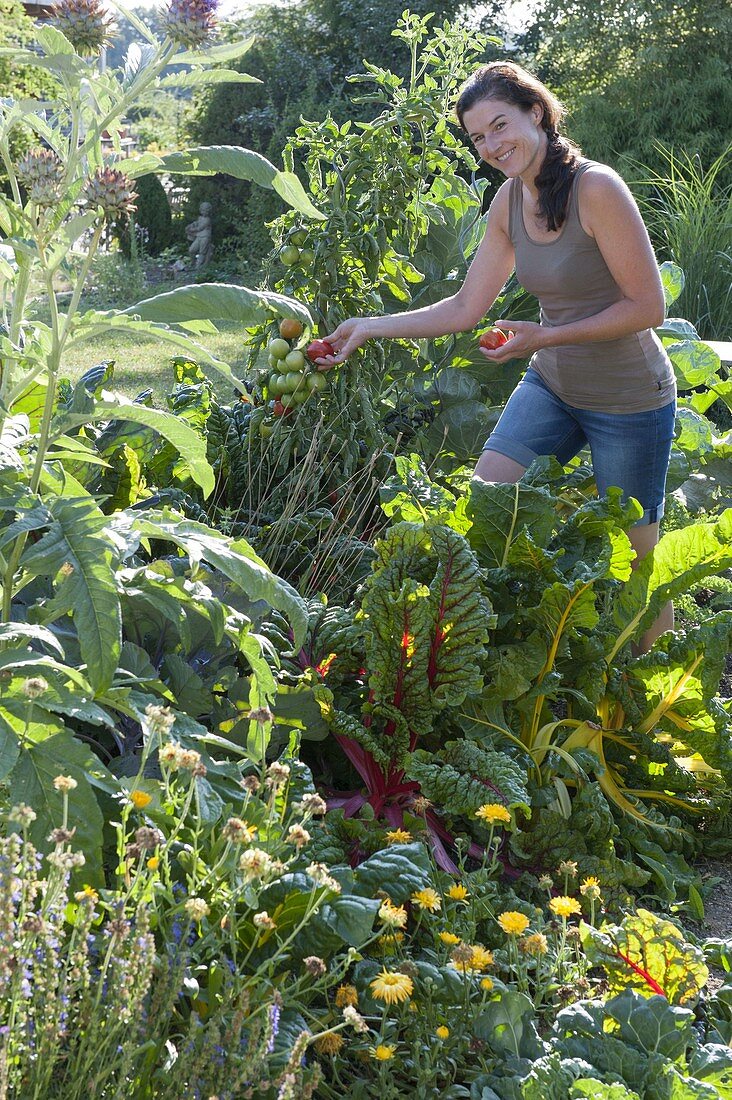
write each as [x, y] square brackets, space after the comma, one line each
[295, 360]
[289, 255]
[316, 381]
[279, 348]
[281, 383]
[287, 400]
[272, 360]
[294, 381]
[298, 238]
[307, 257]
[301, 396]
[274, 384]
[265, 430]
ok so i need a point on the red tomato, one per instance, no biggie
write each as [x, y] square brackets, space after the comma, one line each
[319, 349]
[493, 338]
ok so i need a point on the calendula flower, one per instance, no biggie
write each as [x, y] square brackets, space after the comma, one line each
[427, 899]
[421, 805]
[486, 984]
[567, 867]
[564, 906]
[398, 836]
[330, 1043]
[513, 923]
[469, 957]
[346, 995]
[442, 1032]
[140, 799]
[395, 916]
[457, 892]
[535, 944]
[87, 894]
[493, 813]
[449, 937]
[590, 888]
[392, 987]
[153, 863]
[383, 1052]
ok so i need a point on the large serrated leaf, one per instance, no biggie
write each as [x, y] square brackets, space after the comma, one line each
[31, 781]
[74, 539]
[218, 302]
[189, 444]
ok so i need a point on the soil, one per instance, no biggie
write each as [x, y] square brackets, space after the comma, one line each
[717, 875]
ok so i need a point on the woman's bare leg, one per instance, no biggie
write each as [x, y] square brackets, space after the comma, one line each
[495, 467]
[643, 539]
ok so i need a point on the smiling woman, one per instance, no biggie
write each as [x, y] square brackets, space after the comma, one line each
[598, 375]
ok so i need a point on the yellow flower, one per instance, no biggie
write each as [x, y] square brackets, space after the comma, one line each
[535, 944]
[427, 899]
[449, 937]
[392, 986]
[457, 892]
[469, 957]
[486, 984]
[513, 923]
[398, 836]
[395, 916]
[140, 799]
[153, 863]
[442, 1032]
[590, 881]
[87, 894]
[564, 906]
[493, 813]
[346, 995]
[383, 1052]
[482, 957]
[330, 1043]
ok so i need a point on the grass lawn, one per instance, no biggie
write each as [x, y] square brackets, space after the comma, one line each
[145, 364]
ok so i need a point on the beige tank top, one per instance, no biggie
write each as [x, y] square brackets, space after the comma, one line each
[572, 281]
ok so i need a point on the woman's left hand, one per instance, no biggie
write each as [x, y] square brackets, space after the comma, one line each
[527, 338]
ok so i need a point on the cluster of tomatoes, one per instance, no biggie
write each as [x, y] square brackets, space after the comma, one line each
[296, 252]
[293, 378]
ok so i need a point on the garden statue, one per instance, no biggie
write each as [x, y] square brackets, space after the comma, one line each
[199, 233]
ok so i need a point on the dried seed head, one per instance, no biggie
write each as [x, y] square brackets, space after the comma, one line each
[40, 172]
[22, 815]
[86, 24]
[314, 966]
[190, 22]
[110, 190]
[34, 686]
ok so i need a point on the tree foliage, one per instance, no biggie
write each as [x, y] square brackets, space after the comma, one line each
[302, 54]
[633, 74]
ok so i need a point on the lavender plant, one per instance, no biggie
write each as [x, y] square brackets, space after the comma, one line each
[171, 982]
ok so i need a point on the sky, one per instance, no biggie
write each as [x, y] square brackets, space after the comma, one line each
[517, 11]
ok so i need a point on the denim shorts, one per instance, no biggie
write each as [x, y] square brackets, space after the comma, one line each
[630, 450]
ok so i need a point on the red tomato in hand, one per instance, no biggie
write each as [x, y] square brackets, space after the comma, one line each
[319, 349]
[493, 338]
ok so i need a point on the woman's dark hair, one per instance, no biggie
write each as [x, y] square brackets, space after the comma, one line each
[507, 81]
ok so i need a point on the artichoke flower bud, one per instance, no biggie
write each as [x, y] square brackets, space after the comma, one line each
[40, 172]
[85, 23]
[190, 22]
[111, 190]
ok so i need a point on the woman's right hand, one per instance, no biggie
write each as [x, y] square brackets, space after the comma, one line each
[350, 334]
